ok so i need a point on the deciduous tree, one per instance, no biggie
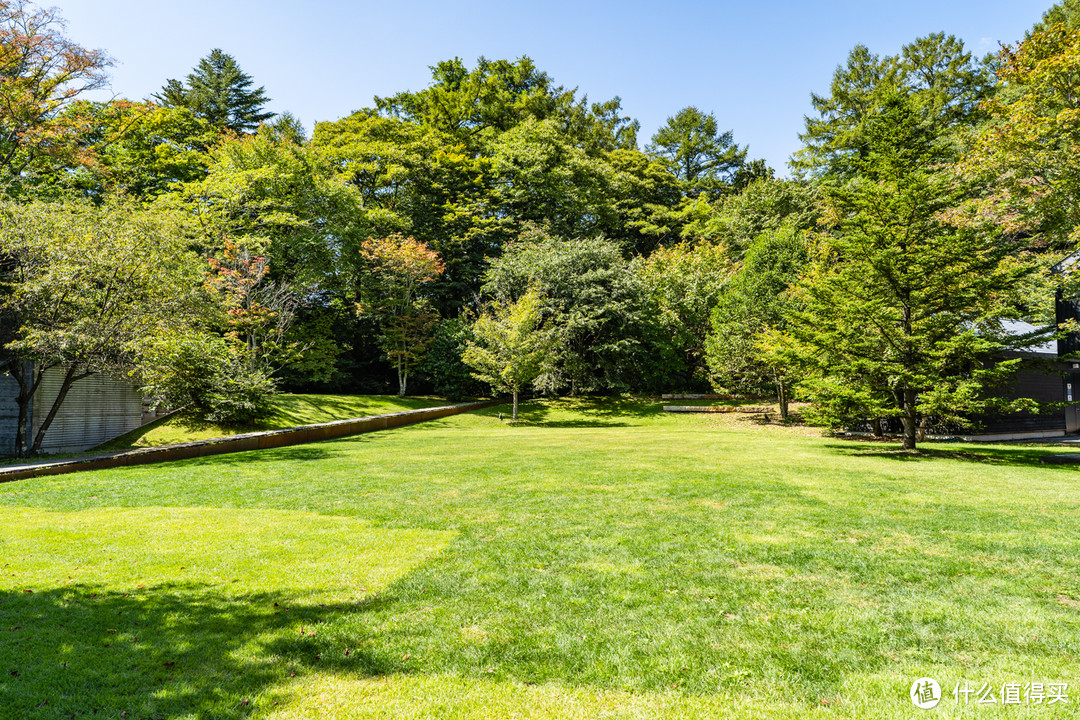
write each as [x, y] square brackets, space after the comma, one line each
[87, 288]
[41, 73]
[396, 270]
[511, 347]
[755, 304]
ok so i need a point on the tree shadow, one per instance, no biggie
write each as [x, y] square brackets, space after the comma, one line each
[168, 651]
[578, 412]
[992, 455]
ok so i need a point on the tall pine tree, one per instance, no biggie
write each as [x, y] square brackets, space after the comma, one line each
[219, 92]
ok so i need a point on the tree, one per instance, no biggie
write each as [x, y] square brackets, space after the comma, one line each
[684, 283]
[87, 288]
[511, 348]
[942, 78]
[902, 310]
[397, 268]
[592, 302]
[765, 205]
[224, 365]
[755, 305]
[139, 149]
[275, 197]
[219, 92]
[475, 106]
[42, 72]
[1030, 150]
[696, 152]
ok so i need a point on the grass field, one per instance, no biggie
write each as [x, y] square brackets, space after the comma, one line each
[596, 560]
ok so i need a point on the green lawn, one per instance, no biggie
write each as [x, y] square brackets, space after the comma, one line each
[593, 560]
[289, 411]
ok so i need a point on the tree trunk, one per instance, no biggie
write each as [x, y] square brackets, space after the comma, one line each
[910, 426]
[28, 381]
[402, 379]
[23, 400]
[70, 378]
[514, 417]
[782, 399]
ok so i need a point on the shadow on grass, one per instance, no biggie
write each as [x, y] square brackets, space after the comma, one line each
[297, 453]
[995, 455]
[167, 651]
[579, 412]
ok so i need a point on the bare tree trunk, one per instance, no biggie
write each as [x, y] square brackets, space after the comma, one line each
[70, 378]
[514, 417]
[910, 426]
[875, 427]
[782, 399]
[28, 380]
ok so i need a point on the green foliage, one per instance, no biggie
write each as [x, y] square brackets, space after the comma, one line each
[765, 205]
[697, 153]
[475, 106]
[218, 91]
[592, 302]
[902, 310]
[683, 283]
[273, 195]
[511, 347]
[443, 366]
[139, 149]
[43, 74]
[417, 180]
[542, 178]
[942, 79]
[754, 307]
[1066, 12]
[1029, 151]
[88, 287]
[397, 268]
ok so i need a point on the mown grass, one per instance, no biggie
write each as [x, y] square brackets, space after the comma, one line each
[290, 410]
[595, 559]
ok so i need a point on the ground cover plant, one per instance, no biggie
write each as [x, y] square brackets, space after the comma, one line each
[593, 559]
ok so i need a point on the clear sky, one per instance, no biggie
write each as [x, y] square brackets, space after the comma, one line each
[754, 64]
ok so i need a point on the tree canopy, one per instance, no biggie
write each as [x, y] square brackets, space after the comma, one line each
[218, 91]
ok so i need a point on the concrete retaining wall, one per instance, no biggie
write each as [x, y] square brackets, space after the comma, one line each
[238, 443]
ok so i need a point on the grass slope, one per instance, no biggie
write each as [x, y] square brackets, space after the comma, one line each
[595, 560]
[289, 411]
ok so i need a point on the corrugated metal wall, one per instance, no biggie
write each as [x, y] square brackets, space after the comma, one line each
[95, 410]
[9, 414]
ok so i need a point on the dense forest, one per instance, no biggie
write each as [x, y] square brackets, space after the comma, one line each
[498, 232]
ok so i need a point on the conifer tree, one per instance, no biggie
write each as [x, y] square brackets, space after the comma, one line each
[220, 92]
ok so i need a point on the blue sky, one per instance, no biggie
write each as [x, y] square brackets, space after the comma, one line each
[754, 64]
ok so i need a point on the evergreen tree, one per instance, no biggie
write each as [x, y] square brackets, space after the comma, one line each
[901, 310]
[220, 92]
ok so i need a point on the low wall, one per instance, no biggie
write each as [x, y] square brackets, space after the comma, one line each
[238, 443]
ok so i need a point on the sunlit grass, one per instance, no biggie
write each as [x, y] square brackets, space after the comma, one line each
[606, 560]
[178, 611]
